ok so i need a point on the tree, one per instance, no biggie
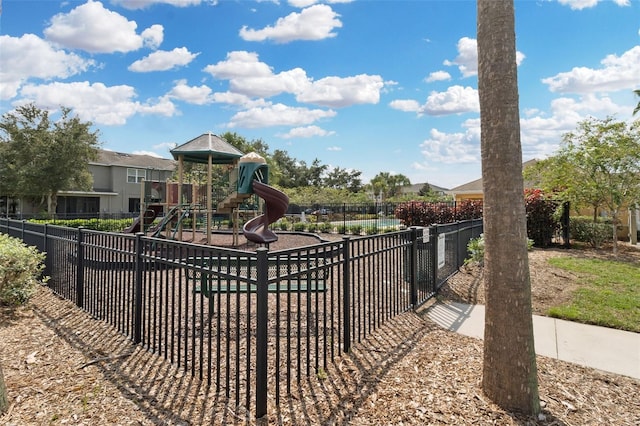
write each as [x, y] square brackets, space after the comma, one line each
[41, 157]
[598, 165]
[637, 108]
[340, 178]
[388, 185]
[509, 365]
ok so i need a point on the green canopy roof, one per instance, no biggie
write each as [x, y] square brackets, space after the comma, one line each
[198, 150]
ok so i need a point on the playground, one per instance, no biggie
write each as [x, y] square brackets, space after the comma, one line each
[190, 212]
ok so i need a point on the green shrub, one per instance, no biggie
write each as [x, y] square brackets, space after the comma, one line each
[475, 248]
[355, 229]
[21, 270]
[299, 226]
[312, 227]
[283, 225]
[584, 229]
[326, 227]
[106, 225]
[372, 230]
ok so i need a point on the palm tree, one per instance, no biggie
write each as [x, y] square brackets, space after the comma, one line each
[509, 368]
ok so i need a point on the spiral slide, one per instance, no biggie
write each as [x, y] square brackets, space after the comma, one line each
[276, 204]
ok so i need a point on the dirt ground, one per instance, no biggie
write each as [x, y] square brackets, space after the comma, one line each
[63, 367]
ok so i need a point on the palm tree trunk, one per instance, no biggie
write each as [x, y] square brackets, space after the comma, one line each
[509, 367]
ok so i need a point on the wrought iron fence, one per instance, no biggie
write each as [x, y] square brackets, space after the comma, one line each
[250, 324]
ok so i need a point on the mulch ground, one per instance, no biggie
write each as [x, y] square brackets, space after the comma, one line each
[63, 367]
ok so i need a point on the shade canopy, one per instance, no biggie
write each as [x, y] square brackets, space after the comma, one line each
[199, 149]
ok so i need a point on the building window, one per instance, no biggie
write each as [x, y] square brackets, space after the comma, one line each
[136, 175]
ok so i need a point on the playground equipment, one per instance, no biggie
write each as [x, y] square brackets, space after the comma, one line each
[175, 202]
[253, 178]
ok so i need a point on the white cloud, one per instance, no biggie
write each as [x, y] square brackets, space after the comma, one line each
[278, 115]
[142, 4]
[93, 28]
[313, 23]
[406, 105]
[451, 148]
[334, 148]
[163, 60]
[455, 100]
[239, 64]
[152, 37]
[200, 95]
[302, 3]
[584, 4]
[438, 76]
[307, 3]
[306, 132]
[31, 57]
[467, 59]
[341, 92]
[617, 73]
[252, 78]
[95, 102]
[149, 153]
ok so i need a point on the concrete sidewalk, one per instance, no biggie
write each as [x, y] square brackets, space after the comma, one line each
[603, 348]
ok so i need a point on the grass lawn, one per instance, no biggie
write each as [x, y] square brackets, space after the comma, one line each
[609, 294]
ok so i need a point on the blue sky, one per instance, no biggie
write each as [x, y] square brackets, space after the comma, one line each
[377, 86]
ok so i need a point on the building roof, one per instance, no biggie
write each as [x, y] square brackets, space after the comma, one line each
[197, 150]
[475, 186]
[113, 158]
[416, 187]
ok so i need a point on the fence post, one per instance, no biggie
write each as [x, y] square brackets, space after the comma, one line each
[459, 224]
[262, 319]
[413, 262]
[80, 269]
[137, 308]
[22, 229]
[433, 241]
[346, 293]
[47, 258]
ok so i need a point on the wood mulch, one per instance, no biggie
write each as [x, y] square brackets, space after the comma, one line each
[63, 367]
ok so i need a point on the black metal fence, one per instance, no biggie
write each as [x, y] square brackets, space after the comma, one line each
[250, 324]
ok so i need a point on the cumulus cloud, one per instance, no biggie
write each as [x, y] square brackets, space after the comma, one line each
[341, 92]
[163, 60]
[584, 4]
[451, 148]
[249, 76]
[306, 132]
[95, 102]
[152, 37]
[616, 73]
[143, 4]
[317, 22]
[467, 59]
[32, 57]
[200, 95]
[306, 3]
[455, 100]
[438, 76]
[278, 115]
[406, 105]
[93, 28]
